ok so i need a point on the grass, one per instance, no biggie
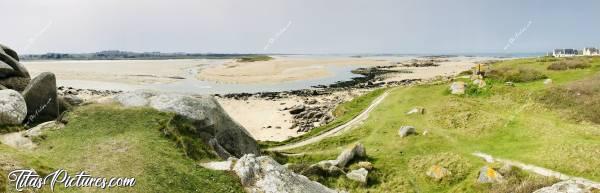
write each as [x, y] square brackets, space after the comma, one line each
[107, 141]
[343, 113]
[254, 58]
[579, 63]
[506, 121]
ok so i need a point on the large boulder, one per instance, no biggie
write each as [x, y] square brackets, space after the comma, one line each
[211, 122]
[569, 186]
[358, 150]
[8, 51]
[359, 175]
[13, 108]
[458, 88]
[265, 175]
[41, 98]
[13, 75]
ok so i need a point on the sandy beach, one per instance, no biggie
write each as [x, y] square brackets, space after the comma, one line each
[263, 118]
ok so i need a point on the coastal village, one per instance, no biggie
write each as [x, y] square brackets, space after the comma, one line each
[570, 52]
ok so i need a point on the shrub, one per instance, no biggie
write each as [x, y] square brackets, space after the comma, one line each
[569, 64]
[515, 74]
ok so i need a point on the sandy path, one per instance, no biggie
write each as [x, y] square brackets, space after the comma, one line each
[346, 126]
[539, 170]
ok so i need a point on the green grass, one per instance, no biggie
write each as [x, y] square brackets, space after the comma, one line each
[504, 121]
[343, 113]
[255, 58]
[106, 140]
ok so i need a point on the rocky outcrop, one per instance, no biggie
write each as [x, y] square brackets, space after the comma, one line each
[265, 175]
[358, 150]
[41, 98]
[458, 88]
[13, 75]
[438, 172]
[13, 108]
[211, 122]
[489, 175]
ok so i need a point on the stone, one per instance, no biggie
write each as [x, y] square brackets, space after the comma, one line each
[438, 172]
[406, 131]
[297, 109]
[72, 99]
[2, 87]
[19, 69]
[509, 84]
[15, 83]
[480, 83]
[458, 88]
[416, 110]
[212, 124]
[489, 175]
[13, 108]
[5, 70]
[569, 186]
[265, 175]
[358, 150]
[359, 175]
[41, 98]
[548, 81]
[323, 168]
[6, 50]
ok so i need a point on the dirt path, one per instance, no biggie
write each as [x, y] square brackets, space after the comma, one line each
[346, 126]
[539, 170]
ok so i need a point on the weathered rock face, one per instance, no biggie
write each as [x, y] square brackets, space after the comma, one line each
[212, 124]
[569, 186]
[406, 131]
[359, 175]
[13, 75]
[265, 175]
[41, 98]
[489, 175]
[458, 88]
[13, 108]
[358, 150]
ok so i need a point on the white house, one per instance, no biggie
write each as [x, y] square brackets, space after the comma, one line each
[564, 52]
[591, 52]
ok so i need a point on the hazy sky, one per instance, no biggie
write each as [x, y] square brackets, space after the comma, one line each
[299, 26]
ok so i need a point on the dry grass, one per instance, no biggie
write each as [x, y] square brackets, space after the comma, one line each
[516, 74]
[569, 64]
[580, 98]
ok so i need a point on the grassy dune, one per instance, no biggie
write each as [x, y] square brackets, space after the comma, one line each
[110, 141]
[521, 123]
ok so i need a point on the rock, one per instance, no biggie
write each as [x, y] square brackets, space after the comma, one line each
[406, 131]
[323, 168]
[416, 110]
[509, 84]
[2, 87]
[265, 175]
[19, 69]
[366, 165]
[13, 108]
[489, 175]
[6, 50]
[5, 70]
[457, 88]
[41, 98]
[569, 186]
[73, 100]
[15, 83]
[297, 109]
[212, 124]
[358, 150]
[438, 172]
[359, 175]
[479, 82]
[221, 166]
[548, 81]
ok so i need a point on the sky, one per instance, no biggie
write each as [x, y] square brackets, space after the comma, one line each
[299, 26]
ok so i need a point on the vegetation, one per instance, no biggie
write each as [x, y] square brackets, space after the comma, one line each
[569, 64]
[343, 113]
[109, 141]
[512, 74]
[524, 122]
[254, 58]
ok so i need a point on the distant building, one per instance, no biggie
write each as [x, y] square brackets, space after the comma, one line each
[591, 52]
[565, 52]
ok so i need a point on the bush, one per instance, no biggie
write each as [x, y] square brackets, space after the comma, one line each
[581, 98]
[569, 64]
[547, 59]
[516, 74]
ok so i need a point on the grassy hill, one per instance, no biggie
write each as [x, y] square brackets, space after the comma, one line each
[550, 125]
[109, 141]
